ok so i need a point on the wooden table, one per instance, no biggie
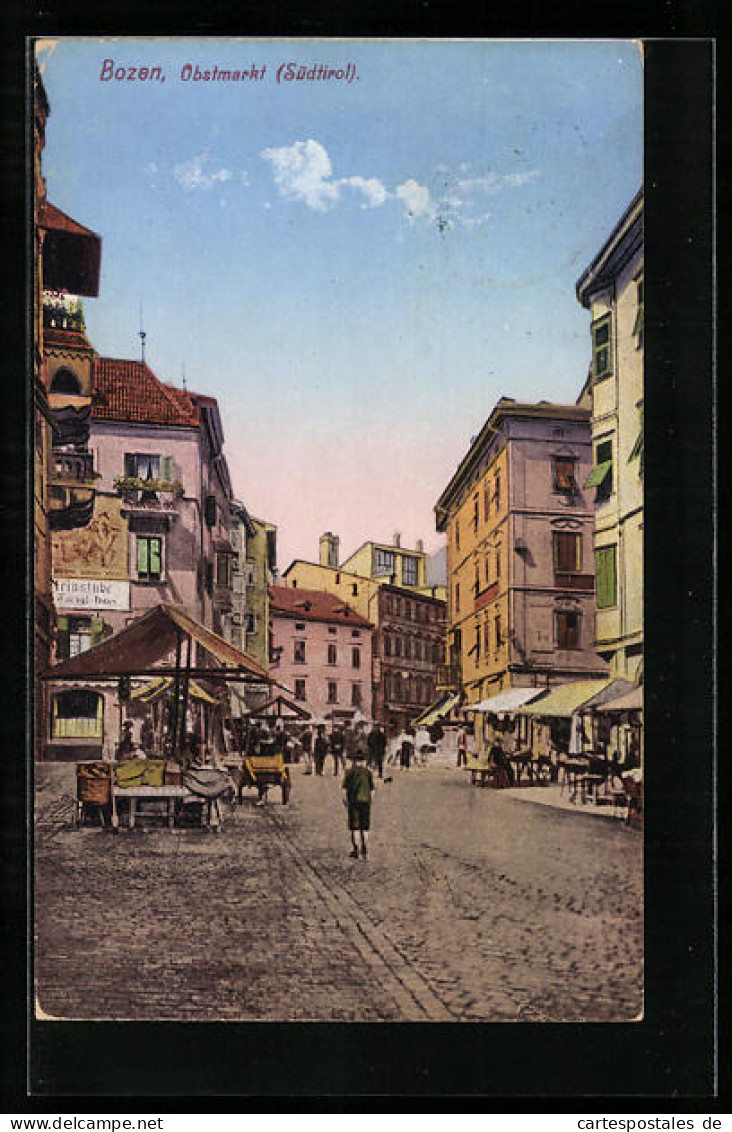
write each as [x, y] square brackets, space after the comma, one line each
[169, 794]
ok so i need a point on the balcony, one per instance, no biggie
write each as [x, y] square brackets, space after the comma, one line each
[448, 677]
[486, 596]
[584, 582]
[71, 490]
[149, 497]
[73, 469]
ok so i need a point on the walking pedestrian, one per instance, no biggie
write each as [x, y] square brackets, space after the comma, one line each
[377, 748]
[406, 753]
[462, 748]
[321, 749]
[338, 748]
[358, 786]
[306, 739]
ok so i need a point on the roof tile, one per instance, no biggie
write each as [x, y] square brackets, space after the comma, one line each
[312, 605]
[129, 391]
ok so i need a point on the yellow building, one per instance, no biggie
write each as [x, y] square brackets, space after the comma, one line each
[519, 553]
[611, 288]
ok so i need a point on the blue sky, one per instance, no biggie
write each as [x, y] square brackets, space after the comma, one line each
[356, 270]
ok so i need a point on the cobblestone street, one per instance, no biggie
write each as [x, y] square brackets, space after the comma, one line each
[474, 905]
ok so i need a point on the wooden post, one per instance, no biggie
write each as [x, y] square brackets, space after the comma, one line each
[175, 749]
[186, 681]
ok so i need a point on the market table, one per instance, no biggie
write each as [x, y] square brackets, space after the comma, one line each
[169, 794]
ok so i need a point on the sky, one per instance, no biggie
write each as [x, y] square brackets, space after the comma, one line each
[357, 267]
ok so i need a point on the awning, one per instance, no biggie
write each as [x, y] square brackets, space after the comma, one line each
[563, 701]
[630, 701]
[614, 689]
[279, 708]
[597, 475]
[437, 710]
[139, 649]
[155, 689]
[510, 699]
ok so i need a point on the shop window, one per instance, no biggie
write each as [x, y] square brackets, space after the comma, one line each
[606, 582]
[149, 558]
[567, 552]
[567, 624]
[77, 715]
[602, 348]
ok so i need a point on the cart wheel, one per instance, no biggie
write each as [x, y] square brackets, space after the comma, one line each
[285, 791]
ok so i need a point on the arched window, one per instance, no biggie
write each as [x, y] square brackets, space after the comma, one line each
[64, 381]
[77, 715]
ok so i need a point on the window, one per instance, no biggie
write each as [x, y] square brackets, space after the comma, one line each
[356, 695]
[149, 558]
[332, 654]
[476, 581]
[146, 466]
[497, 491]
[331, 629]
[499, 632]
[332, 692]
[299, 689]
[457, 534]
[355, 658]
[65, 381]
[457, 597]
[354, 589]
[251, 622]
[299, 653]
[407, 648]
[601, 349]
[355, 632]
[397, 646]
[476, 646]
[567, 552]
[498, 562]
[387, 645]
[223, 570]
[567, 624]
[209, 510]
[77, 715]
[564, 478]
[410, 571]
[601, 476]
[77, 634]
[487, 637]
[487, 569]
[638, 325]
[384, 562]
[300, 627]
[476, 512]
[436, 654]
[486, 504]
[605, 577]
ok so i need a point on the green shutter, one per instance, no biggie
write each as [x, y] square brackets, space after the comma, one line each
[142, 556]
[597, 475]
[97, 630]
[605, 579]
[62, 638]
[166, 469]
[155, 557]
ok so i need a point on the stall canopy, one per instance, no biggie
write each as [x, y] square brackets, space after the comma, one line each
[279, 708]
[437, 710]
[509, 700]
[565, 700]
[613, 690]
[154, 690]
[630, 701]
[142, 647]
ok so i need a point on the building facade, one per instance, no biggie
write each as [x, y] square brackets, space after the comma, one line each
[520, 558]
[408, 651]
[611, 289]
[159, 534]
[322, 651]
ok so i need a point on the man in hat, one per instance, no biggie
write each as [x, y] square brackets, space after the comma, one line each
[358, 786]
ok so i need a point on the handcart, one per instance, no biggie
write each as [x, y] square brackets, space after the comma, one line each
[263, 772]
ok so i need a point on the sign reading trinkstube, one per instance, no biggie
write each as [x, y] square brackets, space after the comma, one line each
[88, 593]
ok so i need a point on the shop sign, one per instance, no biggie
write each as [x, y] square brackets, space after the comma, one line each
[90, 593]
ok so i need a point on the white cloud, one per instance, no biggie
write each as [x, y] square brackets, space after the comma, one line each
[371, 188]
[245, 178]
[514, 180]
[151, 169]
[416, 199]
[197, 174]
[302, 171]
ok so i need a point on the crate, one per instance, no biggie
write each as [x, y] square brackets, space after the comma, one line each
[172, 773]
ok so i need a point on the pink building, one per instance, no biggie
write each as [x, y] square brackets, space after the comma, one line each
[322, 651]
[158, 533]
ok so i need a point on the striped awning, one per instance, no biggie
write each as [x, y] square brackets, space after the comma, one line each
[563, 701]
[437, 710]
[510, 699]
[154, 689]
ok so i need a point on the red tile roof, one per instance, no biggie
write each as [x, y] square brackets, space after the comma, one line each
[129, 391]
[312, 605]
[55, 337]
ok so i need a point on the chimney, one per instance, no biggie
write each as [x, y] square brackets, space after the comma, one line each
[397, 538]
[420, 546]
[329, 544]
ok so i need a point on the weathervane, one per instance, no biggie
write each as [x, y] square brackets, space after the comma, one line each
[143, 336]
